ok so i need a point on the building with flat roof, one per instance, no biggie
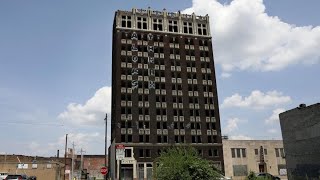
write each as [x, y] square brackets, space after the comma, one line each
[243, 156]
[301, 137]
[164, 89]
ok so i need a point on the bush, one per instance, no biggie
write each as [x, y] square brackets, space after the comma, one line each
[184, 163]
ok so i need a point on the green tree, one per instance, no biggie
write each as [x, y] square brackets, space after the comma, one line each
[184, 163]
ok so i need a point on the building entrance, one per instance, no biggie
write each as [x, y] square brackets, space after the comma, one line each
[126, 172]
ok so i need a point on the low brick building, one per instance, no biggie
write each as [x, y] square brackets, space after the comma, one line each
[48, 168]
[92, 163]
[52, 168]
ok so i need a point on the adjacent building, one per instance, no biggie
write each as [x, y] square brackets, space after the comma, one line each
[243, 156]
[164, 89]
[42, 167]
[301, 137]
[53, 168]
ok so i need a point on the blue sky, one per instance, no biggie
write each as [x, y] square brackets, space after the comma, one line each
[55, 67]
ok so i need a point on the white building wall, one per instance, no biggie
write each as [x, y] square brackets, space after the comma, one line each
[252, 160]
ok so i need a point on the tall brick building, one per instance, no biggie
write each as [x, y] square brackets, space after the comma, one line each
[163, 89]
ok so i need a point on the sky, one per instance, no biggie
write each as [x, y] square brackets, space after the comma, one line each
[55, 67]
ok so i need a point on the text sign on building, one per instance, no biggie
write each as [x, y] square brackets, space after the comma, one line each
[127, 161]
[120, 152]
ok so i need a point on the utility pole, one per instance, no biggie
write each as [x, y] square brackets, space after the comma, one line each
[82, 151]
[105, 144]
[65, 156]
[72, 160]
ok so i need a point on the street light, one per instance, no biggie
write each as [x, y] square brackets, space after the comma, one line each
[65, 156]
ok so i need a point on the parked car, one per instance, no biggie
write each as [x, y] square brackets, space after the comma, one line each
[3, 175]
[267, 175]
[32, 178]
[222, 177]
[16, 177]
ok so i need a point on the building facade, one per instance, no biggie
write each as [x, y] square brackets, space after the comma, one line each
[243, 156]
[163, 89]
[301, 137]
[50, 168]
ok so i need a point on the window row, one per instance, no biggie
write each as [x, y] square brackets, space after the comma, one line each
[158, 24]
[238, 152]
[172, 40]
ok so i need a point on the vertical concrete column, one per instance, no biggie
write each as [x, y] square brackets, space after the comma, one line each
[118, 169]
[145, 170]
[134, 169]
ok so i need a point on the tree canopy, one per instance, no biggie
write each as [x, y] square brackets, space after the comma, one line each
[184, 163]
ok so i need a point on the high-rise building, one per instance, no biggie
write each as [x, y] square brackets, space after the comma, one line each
[164, 89]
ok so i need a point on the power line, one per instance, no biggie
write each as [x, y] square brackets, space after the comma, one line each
[30, 123]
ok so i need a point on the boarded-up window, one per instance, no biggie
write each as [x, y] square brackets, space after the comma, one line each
[282, 170]
[240, 170]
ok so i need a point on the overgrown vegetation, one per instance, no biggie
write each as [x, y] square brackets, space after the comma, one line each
[179, 163]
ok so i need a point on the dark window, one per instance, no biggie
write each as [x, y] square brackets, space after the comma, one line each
[265, 152]
[129, 138]
[159, 139]
[148, 153]
[238, 153]
[256, 152]
[128, 153]
[244, 154]
[123, 138]
[147, 139]
[140, 138]
[141, 154]
[164, 125]
[209, 139]
[165, 139]
[176, 139]
[216, 152]
[199, 139]
[182, 139]
[181, 125]
[193, 139]
[277, 152]
[233, 152]
[175, 125]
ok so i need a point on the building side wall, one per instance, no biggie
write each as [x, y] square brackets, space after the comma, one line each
[43, 171]
[301, 137]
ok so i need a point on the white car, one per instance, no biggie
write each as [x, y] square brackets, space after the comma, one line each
[225, 178]
[3, 175]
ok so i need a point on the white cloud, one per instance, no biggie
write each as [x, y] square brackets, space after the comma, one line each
[274, 118]
[240, 137]
[256, 100]
[91, 142]
[225, 75]
[232, 125]
[92, 112]
[272, 131]
[245, 37]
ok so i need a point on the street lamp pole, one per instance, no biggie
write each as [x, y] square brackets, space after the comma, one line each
[105, 144]
[65, 156]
